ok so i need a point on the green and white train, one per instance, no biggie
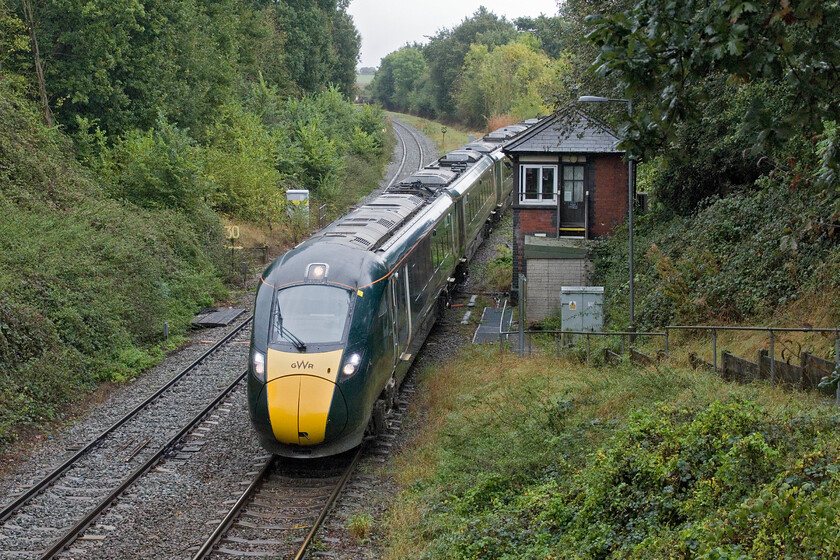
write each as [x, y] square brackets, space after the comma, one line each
[339, 319]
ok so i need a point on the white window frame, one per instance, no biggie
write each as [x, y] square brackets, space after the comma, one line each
[542, 200]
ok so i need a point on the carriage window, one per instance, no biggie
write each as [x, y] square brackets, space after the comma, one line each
[312, 314]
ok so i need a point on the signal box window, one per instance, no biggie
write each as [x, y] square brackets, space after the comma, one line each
[538, 184]
[572, 183]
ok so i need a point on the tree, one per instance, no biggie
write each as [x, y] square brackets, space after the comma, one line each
[663, 49]
[553, 33]
[346, 43]
[14, 45]
[447, 50]
[321, 43]
[528, 79]
[398, 76]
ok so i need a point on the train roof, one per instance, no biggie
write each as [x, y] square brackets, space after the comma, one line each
[482, 146]
[460, 156]
[380, 233]
[369, 226]
[503, 133]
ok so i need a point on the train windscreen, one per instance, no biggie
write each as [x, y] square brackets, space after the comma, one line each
[310, 315]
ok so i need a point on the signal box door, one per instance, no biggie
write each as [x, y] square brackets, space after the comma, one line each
[572, 201]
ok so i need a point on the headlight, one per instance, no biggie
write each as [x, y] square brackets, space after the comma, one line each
[351, 364]
[258, 364]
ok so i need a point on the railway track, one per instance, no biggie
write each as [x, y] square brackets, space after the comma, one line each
[44, 518]
[279, 513]
[403, 132]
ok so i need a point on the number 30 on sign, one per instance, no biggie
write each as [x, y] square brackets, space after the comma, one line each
[232, 232]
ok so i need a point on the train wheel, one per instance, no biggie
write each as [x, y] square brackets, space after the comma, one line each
[379, 417]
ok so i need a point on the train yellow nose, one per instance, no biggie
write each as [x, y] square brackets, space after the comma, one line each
[299, 408]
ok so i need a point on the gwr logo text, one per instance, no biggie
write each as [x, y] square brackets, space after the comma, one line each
[303, 365]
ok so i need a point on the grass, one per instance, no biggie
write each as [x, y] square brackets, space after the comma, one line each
[363, 79]
[455, 137]
[360, 526]
[549, 458]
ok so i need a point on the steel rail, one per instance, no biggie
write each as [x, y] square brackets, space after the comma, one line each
[324, 512]
[416, 138]
[404, 151]
[36, 489]
[231, 516]
[77, 529]
[226, 523]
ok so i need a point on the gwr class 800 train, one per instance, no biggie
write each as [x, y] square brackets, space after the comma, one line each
[339, 318]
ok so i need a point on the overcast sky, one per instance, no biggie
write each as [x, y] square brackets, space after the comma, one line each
[387, 25]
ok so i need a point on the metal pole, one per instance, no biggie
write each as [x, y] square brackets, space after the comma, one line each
[587, 349]
[714, 349]
[556, 345]
[837, 363]
[521, 315]
[772, 360]
[630, 197]
[666, 341]
[630, 201]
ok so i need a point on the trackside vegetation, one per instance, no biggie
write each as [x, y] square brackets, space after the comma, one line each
[138, 130]
[768, 255]
[546, 459]
[86, 281]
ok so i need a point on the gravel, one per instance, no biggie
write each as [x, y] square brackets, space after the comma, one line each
[170, 512]
[48, 515]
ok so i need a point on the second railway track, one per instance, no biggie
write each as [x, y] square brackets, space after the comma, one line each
[49, 512]
[406, 167]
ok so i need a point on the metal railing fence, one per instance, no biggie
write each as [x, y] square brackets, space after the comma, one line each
[628, 339]
[772, 332]
[526, 338]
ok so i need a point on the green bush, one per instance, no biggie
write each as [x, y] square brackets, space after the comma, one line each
[156, 168]
[737, 258]
[86, 281]
[623, 463]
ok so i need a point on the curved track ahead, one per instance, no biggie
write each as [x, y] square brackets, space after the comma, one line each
[403, 133]
[410, 154]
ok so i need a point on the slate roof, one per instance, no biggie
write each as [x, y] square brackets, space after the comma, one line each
[571, 131]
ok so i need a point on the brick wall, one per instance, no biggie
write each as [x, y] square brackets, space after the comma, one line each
[607, 185]
[545, 278]
[527, 221]
[609, 194]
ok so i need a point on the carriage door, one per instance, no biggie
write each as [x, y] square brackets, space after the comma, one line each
[572, 199]
[400, 316]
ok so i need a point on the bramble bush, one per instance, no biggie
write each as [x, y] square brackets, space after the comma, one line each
[86, 281]
[736, 258]
[548, 459]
